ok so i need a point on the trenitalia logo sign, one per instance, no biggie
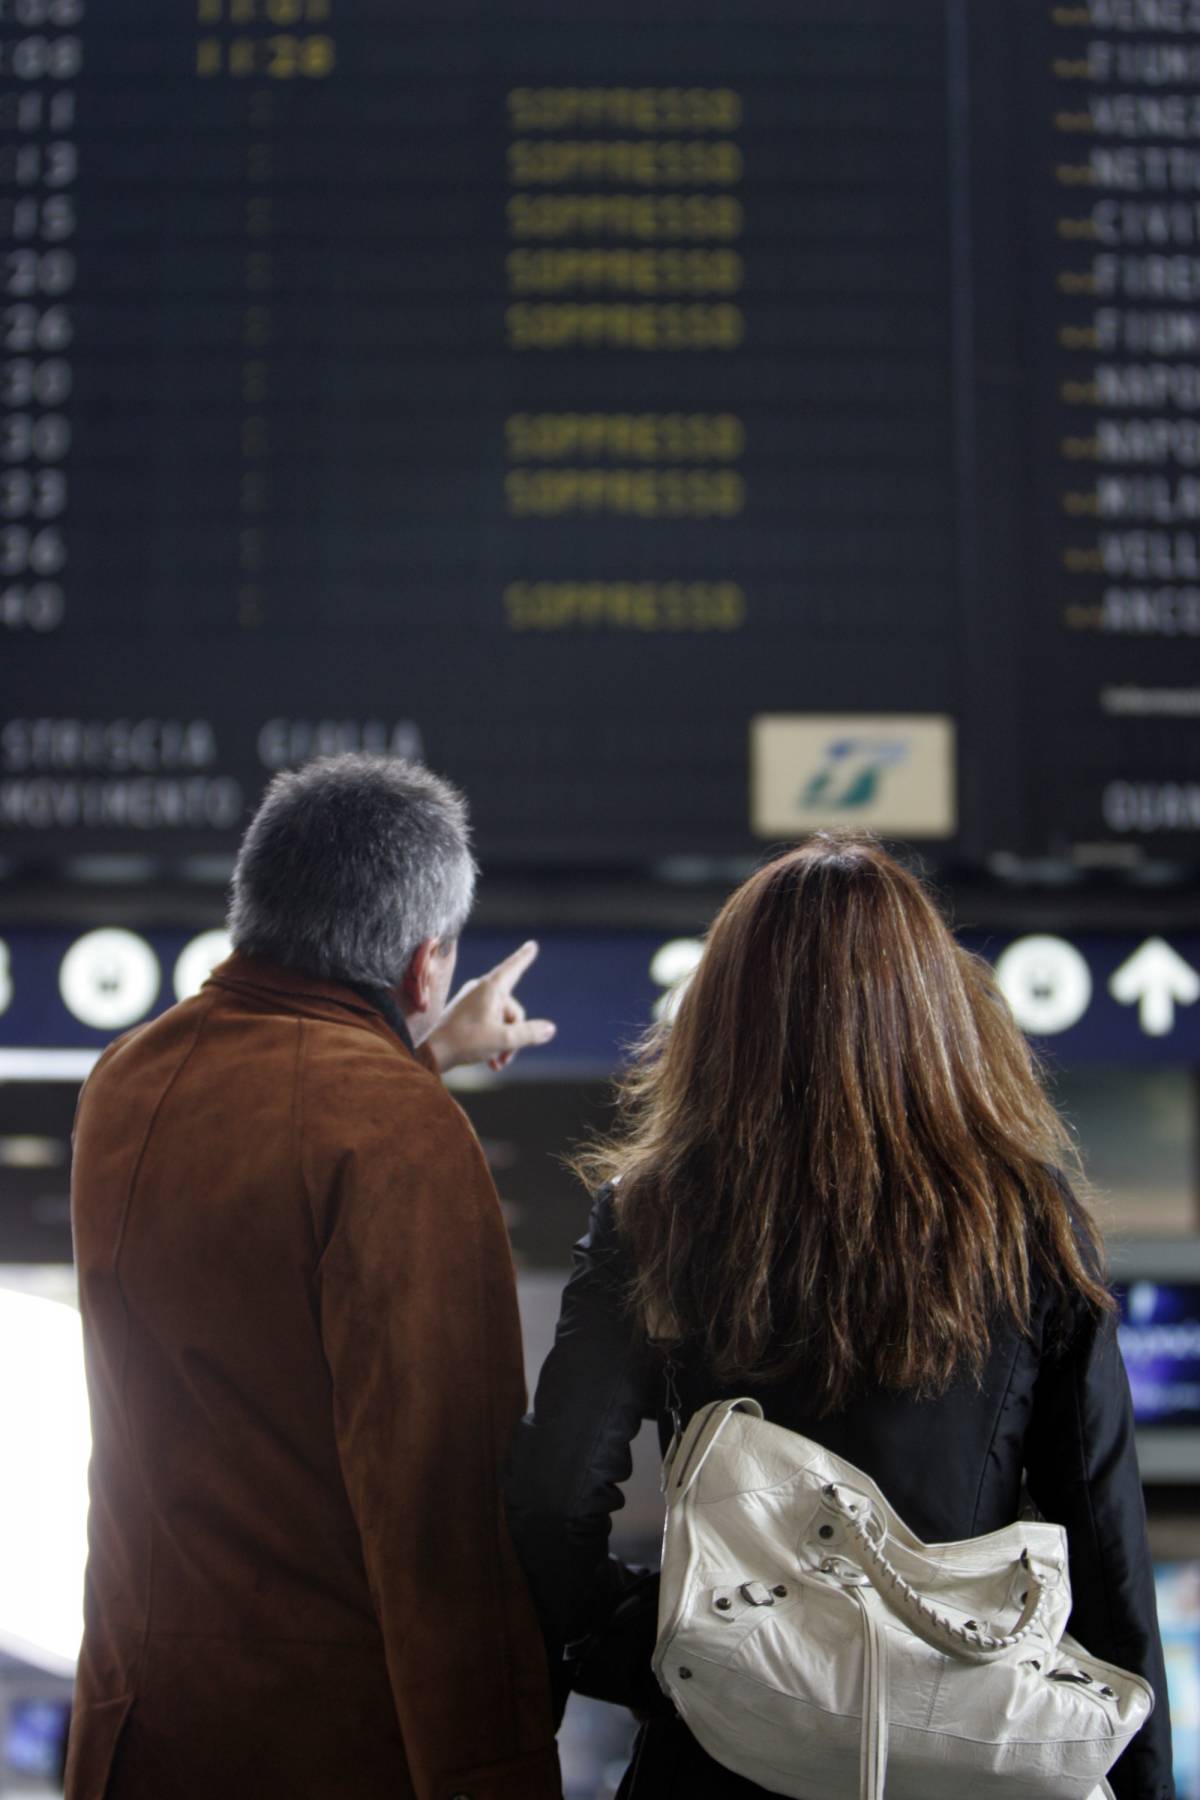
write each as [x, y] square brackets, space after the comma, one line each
[1085, 998]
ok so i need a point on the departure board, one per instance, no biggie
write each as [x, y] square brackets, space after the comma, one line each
[1112, 308]
[680, 424]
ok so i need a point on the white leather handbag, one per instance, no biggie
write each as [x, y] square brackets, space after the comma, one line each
[812, 1643]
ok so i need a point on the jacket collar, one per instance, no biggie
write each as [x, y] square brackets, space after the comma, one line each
[298, 991]
[383, 1001]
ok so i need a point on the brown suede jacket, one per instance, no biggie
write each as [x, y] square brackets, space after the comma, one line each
[304, 1364]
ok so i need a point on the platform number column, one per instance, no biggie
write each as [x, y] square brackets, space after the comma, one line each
[41, 59]
[260, 45]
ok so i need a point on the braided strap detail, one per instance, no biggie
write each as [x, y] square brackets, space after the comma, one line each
[933, 1626]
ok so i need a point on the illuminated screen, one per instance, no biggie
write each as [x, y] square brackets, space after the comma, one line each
[36, 1738]
[1160, 1342]
[684, 425]
[1178, 1586]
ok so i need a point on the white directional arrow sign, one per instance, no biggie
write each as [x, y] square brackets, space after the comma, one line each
[1155, 979]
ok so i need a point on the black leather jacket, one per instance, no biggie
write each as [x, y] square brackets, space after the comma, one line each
[1053, 1409]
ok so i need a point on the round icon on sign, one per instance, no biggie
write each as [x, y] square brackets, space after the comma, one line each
[197, 961]
[109, 979]
[672, 967]
[673, 961]
[1046, 982]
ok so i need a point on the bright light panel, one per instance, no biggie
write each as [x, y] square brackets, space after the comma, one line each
[45, 1442]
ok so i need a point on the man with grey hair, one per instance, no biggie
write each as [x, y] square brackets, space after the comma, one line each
[303, 1353]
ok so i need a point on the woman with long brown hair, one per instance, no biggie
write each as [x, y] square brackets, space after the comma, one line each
[837, 1186]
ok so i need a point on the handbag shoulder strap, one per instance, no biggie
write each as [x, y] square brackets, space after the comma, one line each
[688, 1453]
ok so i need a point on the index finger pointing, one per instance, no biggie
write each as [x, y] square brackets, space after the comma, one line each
[506, 974]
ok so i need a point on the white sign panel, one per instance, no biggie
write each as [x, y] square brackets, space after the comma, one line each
[891, 773]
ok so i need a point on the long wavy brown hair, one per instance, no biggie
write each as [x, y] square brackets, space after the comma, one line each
[839, 1144]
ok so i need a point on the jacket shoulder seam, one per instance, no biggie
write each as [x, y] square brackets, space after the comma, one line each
[1078, 1376]
[992, 1434]
[135, 1172]
[131, 1437]
[298, 1130]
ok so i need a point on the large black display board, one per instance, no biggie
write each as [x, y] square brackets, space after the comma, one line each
[557, 390]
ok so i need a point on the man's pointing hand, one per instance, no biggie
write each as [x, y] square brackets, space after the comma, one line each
[485, 1022]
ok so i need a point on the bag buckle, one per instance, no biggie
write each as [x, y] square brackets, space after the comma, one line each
[848, 1573]
[756, 1593]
